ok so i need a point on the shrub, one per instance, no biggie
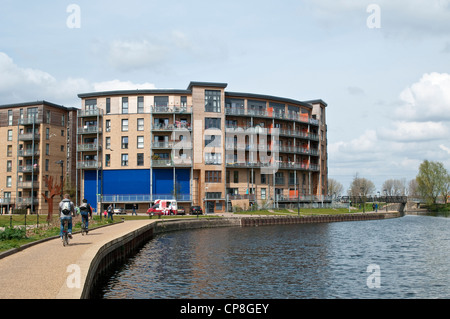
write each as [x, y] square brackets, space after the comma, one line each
[13, 233]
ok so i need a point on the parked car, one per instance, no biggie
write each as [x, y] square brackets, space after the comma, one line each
[119, 211]
[196, 210]
[181, 211]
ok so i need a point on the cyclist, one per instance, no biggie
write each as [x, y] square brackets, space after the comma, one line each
[85, 211]
[66, 211]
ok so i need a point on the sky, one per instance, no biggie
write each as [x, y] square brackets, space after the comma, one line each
[383, 67]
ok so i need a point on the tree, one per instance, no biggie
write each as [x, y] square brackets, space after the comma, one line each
[413, 188]
[54, 189]
[432, 181]
[395, 187]
[334, 187]
[361, 187]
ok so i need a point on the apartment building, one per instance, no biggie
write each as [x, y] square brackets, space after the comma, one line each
[201, 145]
[39, 141]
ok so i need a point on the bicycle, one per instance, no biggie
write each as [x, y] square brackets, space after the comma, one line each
[65, 237]
[84, 229]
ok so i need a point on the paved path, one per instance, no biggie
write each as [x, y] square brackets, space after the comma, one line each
[41, 271]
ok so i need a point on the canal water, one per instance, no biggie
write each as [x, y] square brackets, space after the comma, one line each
[406, 257]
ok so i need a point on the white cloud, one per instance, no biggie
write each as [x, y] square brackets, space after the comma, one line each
[121, 85]
[444, 148]
[414, 132]
[402, 17]
[19, 84]
[428, 99]
[134, 55]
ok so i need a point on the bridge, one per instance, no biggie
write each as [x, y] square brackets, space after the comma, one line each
[374, 199]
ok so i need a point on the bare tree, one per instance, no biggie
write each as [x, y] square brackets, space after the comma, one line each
[395, 187]
[54, 189]
[361, 186]
[413, 188]
[334, 187]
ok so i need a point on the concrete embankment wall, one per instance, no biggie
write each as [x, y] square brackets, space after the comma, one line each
[116, 251]
[277, 220]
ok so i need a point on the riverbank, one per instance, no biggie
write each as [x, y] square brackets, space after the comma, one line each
[50, 271]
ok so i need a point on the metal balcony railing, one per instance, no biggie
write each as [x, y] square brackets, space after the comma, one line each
[88, 147]
[89, 130]
[28, 153]
[89, 164]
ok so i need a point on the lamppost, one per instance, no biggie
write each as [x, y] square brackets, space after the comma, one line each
[385, 195]
[61, 162]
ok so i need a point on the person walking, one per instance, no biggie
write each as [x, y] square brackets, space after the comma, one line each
[134, 210]
[86, 212]
[110, 212]
[66, 212]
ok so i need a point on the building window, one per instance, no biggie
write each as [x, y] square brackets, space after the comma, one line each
[211, 122]
[47, 162]
[263, 193]
[183, 101]
[124, 159]
[213, 158]
[9, 151]
[263, 179]
[161, 102]
[124, 142]
[47, 117]
[124, 105]
[212, 101]
[140, 159]
[47, 149]
[108, 160]
[90, 104]
[10, 117]
[63, 120]
[236, 177]
[213, 195]
[140, 105]
[47, 133]
[140, 142]
[213, 177]
[8, 181]
[108, 143]
[10, 135]
[9, 166]
[108, 125]
[279, 178]
[140, 124]
[108, 105]
[124, 125]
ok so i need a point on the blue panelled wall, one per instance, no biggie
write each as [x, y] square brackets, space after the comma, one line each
[136, 182]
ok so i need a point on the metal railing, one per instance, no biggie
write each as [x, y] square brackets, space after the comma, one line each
[144, 198]
[271, 114]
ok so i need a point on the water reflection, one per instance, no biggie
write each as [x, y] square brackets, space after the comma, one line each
[293, 261]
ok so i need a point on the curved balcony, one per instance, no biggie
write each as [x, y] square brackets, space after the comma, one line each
[272, 114]
[170, 109]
